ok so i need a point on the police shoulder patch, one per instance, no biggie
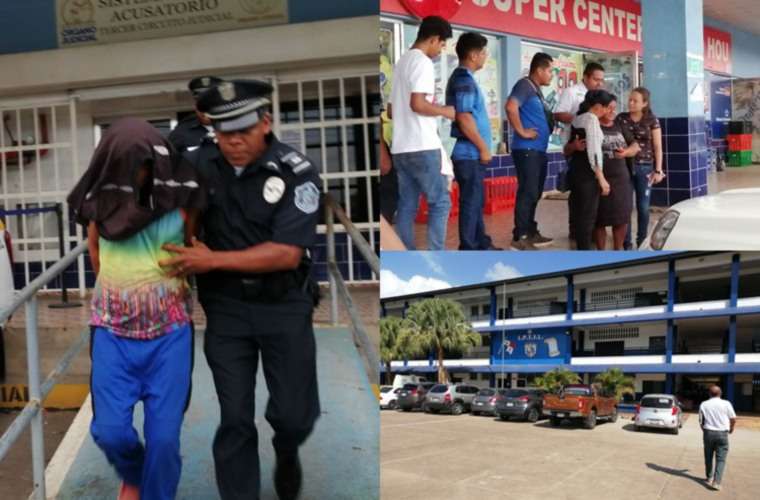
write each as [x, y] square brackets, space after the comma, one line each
[298, 163]
[307, 197]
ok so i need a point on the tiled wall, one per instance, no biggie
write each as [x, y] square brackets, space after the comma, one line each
[685, 160]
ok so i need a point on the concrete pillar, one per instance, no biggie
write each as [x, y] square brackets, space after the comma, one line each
[672, 37]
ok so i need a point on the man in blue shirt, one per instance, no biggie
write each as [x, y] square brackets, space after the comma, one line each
[528, 117]
[472, 131]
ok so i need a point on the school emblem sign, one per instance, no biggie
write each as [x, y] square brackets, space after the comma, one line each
[84, 22]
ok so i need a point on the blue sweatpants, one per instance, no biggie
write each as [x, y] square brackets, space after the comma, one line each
[156, 372]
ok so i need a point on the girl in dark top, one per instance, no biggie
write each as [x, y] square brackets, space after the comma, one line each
[615, 209]
[586, 176]
[643, 125]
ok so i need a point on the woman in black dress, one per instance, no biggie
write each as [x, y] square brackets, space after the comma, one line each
[615, 209]
[586, 176]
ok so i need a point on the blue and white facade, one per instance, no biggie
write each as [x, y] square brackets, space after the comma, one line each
[677, 323]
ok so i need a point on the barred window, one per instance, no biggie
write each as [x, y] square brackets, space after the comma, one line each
[613, 333]
[619, 298]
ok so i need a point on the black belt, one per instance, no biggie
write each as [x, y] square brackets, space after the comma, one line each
[269, 287]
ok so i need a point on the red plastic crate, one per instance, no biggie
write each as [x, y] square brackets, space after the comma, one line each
[500, 194]
[422, 209]
[738, 142]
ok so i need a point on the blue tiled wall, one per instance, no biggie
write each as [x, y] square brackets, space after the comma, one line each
[685, 159]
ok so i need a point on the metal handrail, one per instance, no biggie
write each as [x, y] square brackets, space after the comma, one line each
[338, 285]
[31, 414]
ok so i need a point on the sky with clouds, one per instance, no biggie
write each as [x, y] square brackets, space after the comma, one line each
[413, 272]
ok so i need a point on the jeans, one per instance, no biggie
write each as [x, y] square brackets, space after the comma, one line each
[472, 231]
[642, 190]
[716, 443]
[420, 172]
[531, 169]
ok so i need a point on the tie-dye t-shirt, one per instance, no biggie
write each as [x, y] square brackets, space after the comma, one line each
[133, 297]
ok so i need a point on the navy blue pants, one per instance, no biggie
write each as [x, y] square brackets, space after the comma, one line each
[531, 167]
[156, 372]
[472, 230]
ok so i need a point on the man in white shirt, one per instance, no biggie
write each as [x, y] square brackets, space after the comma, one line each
[717, 419]
[416, 146]
[567, 107]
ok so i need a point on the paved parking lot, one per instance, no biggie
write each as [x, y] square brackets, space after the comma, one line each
[441, 456]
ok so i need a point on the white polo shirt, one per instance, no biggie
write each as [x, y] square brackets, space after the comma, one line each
[715, 414]
[569, 101]
[414, 73]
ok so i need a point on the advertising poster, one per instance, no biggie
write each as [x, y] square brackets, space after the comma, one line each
[719, 106]
[746, 107]
[386, 61]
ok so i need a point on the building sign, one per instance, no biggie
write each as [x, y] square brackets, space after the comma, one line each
[529, 346]
[717, 51]
[604, 25]
[83, 22]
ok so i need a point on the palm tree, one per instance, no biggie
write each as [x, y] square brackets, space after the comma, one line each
[390, 329]
[439, 325]
[554, 380]
[614, 382]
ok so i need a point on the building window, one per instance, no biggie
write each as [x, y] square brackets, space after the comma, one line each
[334, 121]
[657, 345]
[487, 310]
[474, 311]
[613, 333]
[613, 299]
[609, 348]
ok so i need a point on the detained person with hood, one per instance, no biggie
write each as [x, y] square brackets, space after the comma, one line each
[137, 195]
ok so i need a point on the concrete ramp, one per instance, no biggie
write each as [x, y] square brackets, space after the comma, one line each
[340, 459]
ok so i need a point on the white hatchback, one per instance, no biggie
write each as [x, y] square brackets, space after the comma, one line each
[729, 220]
[658, 411]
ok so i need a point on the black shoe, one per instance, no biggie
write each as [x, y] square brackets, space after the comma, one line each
[539, 240]
[287, 476]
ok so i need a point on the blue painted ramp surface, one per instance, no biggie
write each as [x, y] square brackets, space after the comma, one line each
[340, 459]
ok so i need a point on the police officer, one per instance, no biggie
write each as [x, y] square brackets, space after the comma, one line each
[253, 283]
[192, 129]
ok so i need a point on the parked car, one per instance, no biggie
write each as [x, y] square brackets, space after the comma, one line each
[389, 397]
[412, 396]
[527, 404]
[449, 397]
[400, 380]
[712, 222]
[484, 402]
[658, 411]
[581, 403]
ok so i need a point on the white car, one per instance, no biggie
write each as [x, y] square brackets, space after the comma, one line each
[729, 220]
[658, 411]
[388, 397]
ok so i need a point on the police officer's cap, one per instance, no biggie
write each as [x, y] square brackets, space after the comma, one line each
[236, 104]
[201, 84]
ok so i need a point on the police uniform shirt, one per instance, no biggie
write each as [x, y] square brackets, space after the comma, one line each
[188, 133]
[275, 199]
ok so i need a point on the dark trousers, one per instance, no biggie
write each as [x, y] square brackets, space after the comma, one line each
[389, 195]
[584, 202]
[531, 175]
[472, 230]
[716, 446]
[232, 345]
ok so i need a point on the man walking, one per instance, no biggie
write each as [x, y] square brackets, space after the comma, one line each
[416, 146]
[717, 419]
[472, 130]
[529, 118]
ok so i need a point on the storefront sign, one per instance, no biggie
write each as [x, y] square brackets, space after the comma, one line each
[530, 346]
[83, 22]
[609, 25]
[717, 51]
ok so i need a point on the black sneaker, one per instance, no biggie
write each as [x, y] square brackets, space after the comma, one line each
[287, 476]
[523, 243]
[540, 241]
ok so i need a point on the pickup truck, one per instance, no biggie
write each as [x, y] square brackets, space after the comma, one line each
[580, 402]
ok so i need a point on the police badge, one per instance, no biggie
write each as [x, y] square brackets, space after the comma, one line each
[530, 349]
